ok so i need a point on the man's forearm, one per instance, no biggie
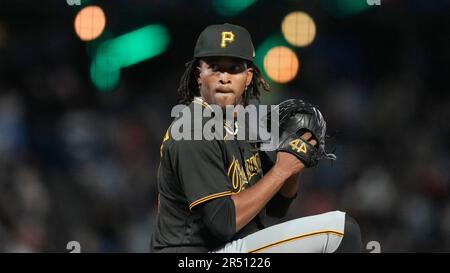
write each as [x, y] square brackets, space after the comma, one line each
[290, 187]
[250, 202]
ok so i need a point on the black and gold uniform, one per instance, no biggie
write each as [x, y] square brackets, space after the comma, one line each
[195, 181]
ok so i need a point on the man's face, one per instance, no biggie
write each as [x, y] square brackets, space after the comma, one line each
[222, 80]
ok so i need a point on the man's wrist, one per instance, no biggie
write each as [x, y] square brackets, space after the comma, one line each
[281, 173]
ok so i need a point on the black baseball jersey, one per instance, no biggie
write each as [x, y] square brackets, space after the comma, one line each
[192, 172]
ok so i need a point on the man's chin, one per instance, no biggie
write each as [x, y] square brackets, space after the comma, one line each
[224, 99]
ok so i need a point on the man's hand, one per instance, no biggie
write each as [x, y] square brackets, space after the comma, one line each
[287, 163]
[295, 117]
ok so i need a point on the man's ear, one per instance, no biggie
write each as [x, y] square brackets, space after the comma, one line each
[197, 74]
[198, 70]
[249, 76]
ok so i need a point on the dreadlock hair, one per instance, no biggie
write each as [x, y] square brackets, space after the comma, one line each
[188, 88]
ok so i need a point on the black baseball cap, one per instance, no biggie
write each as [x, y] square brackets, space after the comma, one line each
[225, 40]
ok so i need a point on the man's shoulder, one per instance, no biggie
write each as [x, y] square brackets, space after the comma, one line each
[193, 112]
[191, 138]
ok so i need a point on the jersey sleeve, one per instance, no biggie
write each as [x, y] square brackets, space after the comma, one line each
[200, 169]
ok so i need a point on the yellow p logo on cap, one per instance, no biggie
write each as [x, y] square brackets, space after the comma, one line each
[227, 36]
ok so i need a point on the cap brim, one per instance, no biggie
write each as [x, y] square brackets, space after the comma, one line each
[223, 54]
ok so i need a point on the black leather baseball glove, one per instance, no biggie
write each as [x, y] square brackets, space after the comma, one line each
[295, 118]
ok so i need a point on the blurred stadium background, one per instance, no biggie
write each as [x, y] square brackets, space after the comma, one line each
[86, 90]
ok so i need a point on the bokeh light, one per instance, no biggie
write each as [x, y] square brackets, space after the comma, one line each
[90, 23]
[123, 51]
[345, 8]
[281, 64]
[274, 39]
[104, 71]
[138, 45]
[231, 7]
[298, 28]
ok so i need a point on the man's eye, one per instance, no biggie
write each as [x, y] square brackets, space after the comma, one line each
[238, 68]
[214, 67]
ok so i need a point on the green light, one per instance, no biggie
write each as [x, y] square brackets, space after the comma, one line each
[126, 50]
[93, 45]
[138, 45]
[273, 40]
[105, 72]
[344, 8]
[231, 7]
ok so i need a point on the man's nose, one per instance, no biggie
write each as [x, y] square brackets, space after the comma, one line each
[225, 78]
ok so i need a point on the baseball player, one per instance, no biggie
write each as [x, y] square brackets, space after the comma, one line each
[215, 194]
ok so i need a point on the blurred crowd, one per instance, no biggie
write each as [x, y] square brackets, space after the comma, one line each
[80, 165]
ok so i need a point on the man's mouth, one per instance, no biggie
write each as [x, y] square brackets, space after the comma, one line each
[224, 91]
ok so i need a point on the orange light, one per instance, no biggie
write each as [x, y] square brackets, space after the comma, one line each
[89, 23]
[298, 28]
[281, 64]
